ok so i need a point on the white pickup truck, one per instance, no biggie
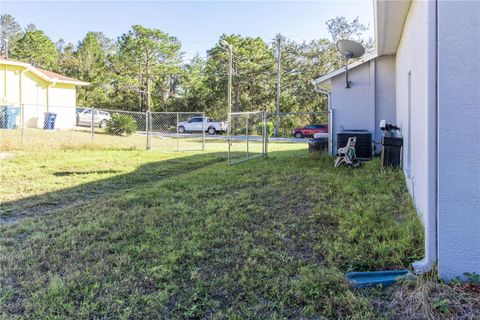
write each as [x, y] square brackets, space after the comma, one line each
[197, 124]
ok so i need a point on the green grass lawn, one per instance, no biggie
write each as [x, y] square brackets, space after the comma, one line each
[128, 234]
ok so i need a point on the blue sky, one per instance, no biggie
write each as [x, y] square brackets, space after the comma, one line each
[197, 24]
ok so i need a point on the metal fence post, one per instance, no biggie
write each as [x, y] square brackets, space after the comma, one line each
[148, 125]
[246, 131]
[264, 134]
[330, 131]
[72, 136]
[229, 137]
[178, 135]
[267, 134]
[203, 131]
[22, 119]
[92, 125]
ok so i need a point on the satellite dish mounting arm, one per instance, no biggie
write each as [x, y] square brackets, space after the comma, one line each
[348, 55]
[349, 49]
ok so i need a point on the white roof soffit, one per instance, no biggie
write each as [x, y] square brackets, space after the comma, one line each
[389, 19]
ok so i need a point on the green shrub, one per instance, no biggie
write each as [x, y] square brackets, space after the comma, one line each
[270, 128]
[121, 124]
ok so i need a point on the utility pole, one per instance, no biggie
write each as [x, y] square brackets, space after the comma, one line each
[279, 58]
[5, 48]
[148, 93]
[230, 72]
[148, 115]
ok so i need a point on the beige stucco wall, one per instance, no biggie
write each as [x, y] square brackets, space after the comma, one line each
[34, 89]
[20, 86]
[34, 99]
[62, 101]
[10, 93]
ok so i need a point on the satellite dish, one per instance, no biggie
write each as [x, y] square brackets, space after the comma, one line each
[349, 49]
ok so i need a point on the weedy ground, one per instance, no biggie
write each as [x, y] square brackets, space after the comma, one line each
[93, 233]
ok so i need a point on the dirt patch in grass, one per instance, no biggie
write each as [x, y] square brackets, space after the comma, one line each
[6, 155]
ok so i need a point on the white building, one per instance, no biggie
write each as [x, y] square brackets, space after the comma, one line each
[425, 77]
[38, 91]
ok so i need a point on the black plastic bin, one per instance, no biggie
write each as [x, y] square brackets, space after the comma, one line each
[49, 122]
[391, 151]
[317, 145]
[363, 145]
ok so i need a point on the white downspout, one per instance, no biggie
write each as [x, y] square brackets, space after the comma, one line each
[431, 221]
[373, 102]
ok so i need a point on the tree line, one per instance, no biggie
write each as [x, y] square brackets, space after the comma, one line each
[121, 71]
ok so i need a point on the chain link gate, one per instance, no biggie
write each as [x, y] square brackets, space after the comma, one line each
[247, 136]
[261, 134]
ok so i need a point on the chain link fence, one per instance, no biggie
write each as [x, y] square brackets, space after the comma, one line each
[251, 135]
[10, 136]
[37, 127]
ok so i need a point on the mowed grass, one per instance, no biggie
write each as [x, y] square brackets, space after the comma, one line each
[34, 140]
[129, 234]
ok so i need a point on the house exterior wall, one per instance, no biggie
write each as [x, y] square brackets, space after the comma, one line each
[20, 86]
[370, 98]
[458, 146]
[34, 99]
[10, 93]
[434, 98]
[385, 103]
[62, 101]
[416, 116]
[352, 107]
[411, 61]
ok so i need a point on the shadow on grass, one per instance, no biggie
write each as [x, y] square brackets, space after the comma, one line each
[12, 211]
[71, 173]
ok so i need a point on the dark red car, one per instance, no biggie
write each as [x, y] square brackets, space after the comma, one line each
[310, 130]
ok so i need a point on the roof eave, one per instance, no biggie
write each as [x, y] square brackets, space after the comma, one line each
[323, 87]
[77, 83]
[389, 20]
[340, 71]
[32, 69]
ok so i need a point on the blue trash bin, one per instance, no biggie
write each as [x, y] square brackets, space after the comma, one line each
[49, 122]
[8, 116]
